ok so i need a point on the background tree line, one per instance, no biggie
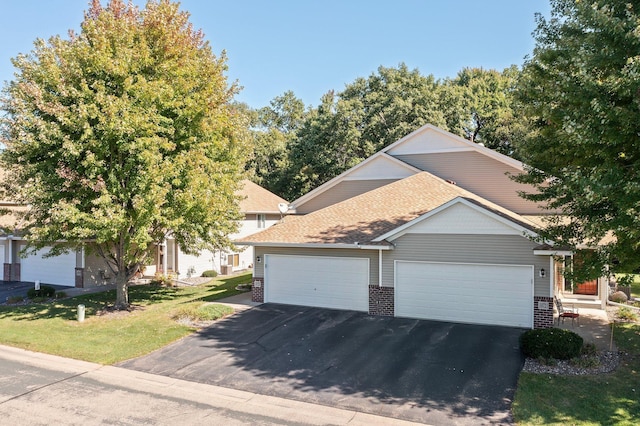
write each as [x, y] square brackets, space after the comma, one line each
[297, 148]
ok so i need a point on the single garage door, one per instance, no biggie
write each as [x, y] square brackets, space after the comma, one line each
[469, 293]
[58, 270]
[324, 282]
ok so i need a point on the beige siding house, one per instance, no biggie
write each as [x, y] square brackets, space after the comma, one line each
[430, 227]
[81, 269]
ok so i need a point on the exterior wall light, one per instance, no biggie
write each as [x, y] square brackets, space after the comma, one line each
[543, 273]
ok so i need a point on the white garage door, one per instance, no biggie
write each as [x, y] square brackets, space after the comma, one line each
[469, 293]
[58, 270]
[324, 282]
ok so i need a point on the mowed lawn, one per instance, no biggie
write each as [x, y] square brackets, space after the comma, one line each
[605, 399]
[109, 337]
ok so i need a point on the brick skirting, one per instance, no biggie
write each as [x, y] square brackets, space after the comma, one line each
[381, 301]
[257, 290]
[6, 276]
[542, 312]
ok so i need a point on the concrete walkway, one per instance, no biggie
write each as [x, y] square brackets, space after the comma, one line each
[593, 326]
[37, 388]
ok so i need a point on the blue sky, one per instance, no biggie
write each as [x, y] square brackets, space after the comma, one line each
[311, 47]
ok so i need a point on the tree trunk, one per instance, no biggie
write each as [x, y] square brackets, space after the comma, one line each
[122, 291]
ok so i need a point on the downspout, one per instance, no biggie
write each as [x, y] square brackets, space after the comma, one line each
[552, 277]
[379, 267]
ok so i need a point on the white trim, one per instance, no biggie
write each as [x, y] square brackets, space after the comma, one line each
[315, 245]
[553, 253]
[552, 276]
[472, 145]
[343, 176]
[403, 229]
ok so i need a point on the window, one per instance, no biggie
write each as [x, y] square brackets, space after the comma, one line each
[233, 259]
[262, 219]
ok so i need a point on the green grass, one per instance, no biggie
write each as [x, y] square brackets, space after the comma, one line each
[52, 327]
[635, 284]
[605, 399]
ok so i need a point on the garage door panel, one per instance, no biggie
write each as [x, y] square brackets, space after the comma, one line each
[59, 270]
[330, 282]
[474, 293]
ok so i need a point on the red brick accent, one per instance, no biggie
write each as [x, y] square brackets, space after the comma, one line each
[80, 277]
[381, 301]
[257, 290]
[542, 318]
[15, 272]
[6, 276]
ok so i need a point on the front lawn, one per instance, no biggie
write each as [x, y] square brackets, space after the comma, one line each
[606, 399]
[109, 337]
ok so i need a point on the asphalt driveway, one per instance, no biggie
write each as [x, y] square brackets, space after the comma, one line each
[427, 371]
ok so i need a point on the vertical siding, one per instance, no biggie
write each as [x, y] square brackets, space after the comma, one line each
[372, 255]
[489, 249]
[342, 191]
[479, 174]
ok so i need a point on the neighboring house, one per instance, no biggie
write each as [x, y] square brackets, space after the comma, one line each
[79, 269]
[260, 209]
[430, 227]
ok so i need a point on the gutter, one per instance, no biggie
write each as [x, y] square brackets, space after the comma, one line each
[316, 245]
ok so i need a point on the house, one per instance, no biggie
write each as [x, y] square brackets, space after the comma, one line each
[430, 227]
[261, 210]
[80, 269]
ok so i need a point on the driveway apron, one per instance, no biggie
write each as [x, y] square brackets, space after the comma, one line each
[427, 371]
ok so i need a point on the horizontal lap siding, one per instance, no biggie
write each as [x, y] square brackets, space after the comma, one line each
[368, 254]
[453, 248]
[479, 174]
[340, 192]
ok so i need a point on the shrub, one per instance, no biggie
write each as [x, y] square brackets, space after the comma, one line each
[550, 343]
[618, 297]
[589, 349]
[210, 274]
[627, 314]
[14, 299]
[163, 280]
[61, 295]
[199, 311]
[585, 362]
[45, 292]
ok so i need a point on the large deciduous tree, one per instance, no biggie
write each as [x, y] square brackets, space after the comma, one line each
[122, 134]
[581, 87]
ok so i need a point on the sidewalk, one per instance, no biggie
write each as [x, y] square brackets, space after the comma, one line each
[45, 389]
[593, 326]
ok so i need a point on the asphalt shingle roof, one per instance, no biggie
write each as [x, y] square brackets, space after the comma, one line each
[370, 215]
[256, 199]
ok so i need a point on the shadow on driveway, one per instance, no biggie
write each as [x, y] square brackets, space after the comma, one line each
[427, 371]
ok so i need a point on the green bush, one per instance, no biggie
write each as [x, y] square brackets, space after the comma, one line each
[627, 314]
[14, 299]
[199, 311]
[61, 295]
[45, 292]
[550, 343]
[210, 274]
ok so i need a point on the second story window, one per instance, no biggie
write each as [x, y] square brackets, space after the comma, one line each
[262, 220]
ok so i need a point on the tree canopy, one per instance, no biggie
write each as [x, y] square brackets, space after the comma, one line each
[298, 149]
[122, 134]
[581, 89]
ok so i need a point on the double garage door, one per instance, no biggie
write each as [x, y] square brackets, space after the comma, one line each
[456, 292]
[469, 293]
[323, 282]
[58, 270]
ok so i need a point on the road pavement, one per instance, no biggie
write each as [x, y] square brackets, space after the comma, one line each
[40, 389]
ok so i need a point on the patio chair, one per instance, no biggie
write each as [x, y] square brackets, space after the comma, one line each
[564, 312]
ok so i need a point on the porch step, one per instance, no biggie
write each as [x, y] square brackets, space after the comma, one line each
[582, 303]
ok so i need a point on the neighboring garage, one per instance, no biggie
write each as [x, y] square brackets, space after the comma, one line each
[318, 281]
[58, 270]
[467, 293]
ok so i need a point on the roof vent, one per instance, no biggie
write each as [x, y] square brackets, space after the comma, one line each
[451, 182]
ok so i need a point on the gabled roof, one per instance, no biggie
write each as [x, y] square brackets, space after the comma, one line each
[367, 217]
[256, 199]
[412, 141]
